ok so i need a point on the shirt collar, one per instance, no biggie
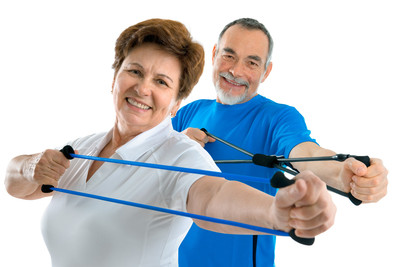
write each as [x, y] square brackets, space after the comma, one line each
[143, 142]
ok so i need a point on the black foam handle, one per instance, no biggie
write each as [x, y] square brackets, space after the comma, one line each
[364, 159]
[367, 161]
[204, 130]
[67, 151]
[264, 160]
[279, 180]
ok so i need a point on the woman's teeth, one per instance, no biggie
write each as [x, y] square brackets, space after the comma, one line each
[136, 104]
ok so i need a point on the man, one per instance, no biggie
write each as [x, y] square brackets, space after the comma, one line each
[241, 61]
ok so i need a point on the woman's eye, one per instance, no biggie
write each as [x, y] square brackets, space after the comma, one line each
[135, 72]
[162, 82]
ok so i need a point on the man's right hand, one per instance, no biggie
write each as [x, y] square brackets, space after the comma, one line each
[198, 135]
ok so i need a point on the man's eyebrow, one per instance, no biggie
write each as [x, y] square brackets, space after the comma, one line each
[256, 58]
[229, 50]
[253, 57]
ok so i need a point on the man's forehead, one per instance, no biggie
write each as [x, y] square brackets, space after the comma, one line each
[248, 42]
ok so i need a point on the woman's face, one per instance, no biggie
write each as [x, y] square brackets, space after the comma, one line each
[145, 88]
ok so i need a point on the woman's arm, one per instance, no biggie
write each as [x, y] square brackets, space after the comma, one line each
[305, 205]
[27, 173]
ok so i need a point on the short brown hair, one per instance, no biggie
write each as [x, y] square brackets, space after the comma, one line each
[175, 38]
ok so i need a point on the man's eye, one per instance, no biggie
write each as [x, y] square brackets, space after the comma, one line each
[253, 64]
[228, 57]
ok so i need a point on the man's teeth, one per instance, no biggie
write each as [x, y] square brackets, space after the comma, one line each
[136, 104]
[234, 83]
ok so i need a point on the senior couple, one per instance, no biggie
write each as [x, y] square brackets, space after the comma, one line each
[156, 66]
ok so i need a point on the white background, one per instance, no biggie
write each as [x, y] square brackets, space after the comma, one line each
[337, 62]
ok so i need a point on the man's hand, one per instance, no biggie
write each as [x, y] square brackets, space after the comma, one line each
[366, 184]
[198, 135]
[305, 206]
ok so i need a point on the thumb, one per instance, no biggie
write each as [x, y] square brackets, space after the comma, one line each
[357, 167]
[288, 196]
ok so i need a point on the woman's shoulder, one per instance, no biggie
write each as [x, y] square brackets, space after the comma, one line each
[87, 141]
[187, 151]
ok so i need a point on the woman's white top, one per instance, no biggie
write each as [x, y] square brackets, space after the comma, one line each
[83, 232]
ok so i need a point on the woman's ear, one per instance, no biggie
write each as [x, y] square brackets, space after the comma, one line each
[175, 108]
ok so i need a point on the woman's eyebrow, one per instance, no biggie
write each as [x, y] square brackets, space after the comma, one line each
[130, 64]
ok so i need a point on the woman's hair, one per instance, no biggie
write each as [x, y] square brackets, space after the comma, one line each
[174, 38]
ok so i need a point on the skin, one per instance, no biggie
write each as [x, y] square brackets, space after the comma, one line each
[243, 53]
[145, 93]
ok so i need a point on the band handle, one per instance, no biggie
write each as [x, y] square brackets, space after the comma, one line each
[367, 161]
[279, 181]
[67, 151]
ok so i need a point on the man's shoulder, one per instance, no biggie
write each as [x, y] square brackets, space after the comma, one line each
[199, 104]
[265, 103]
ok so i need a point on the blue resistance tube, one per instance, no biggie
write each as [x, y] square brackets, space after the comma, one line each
[169, 211]
[178, 169]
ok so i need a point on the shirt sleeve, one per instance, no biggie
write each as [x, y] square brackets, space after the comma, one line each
[189, 154]
[289, 131]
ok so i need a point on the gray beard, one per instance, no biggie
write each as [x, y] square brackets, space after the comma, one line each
[226, 97]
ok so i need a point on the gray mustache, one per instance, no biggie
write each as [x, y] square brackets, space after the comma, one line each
[229, 76]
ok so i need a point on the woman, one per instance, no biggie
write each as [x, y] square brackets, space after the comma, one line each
[156, 66]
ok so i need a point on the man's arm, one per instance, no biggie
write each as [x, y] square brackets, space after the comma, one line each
[366, 184]
[306, 205]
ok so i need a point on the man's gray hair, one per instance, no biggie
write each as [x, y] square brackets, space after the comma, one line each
[251, 24]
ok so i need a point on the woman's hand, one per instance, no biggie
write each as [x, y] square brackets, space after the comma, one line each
[46, 167]
[27, 173]
[305, 206]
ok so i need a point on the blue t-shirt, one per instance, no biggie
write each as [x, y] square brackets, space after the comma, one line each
[258, 126]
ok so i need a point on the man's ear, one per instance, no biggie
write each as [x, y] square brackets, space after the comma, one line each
[267, 72]
[214, 52]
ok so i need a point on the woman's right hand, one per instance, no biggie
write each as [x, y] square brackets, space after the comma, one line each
[27, 173]
[46, 167]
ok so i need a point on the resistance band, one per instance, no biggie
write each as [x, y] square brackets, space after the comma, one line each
[278, 161]
[278, 181]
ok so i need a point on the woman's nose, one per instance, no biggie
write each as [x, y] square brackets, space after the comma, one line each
[143, 88]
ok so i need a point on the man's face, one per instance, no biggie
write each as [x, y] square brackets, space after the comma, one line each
[239, 64]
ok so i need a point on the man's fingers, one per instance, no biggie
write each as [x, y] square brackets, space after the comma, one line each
[198, 135]
[357, 167]
[372, 186]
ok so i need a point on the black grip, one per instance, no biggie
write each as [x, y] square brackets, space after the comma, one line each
[364, 159]
[67, 151]
[367, 161]
[279, 180]
[204, 130]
